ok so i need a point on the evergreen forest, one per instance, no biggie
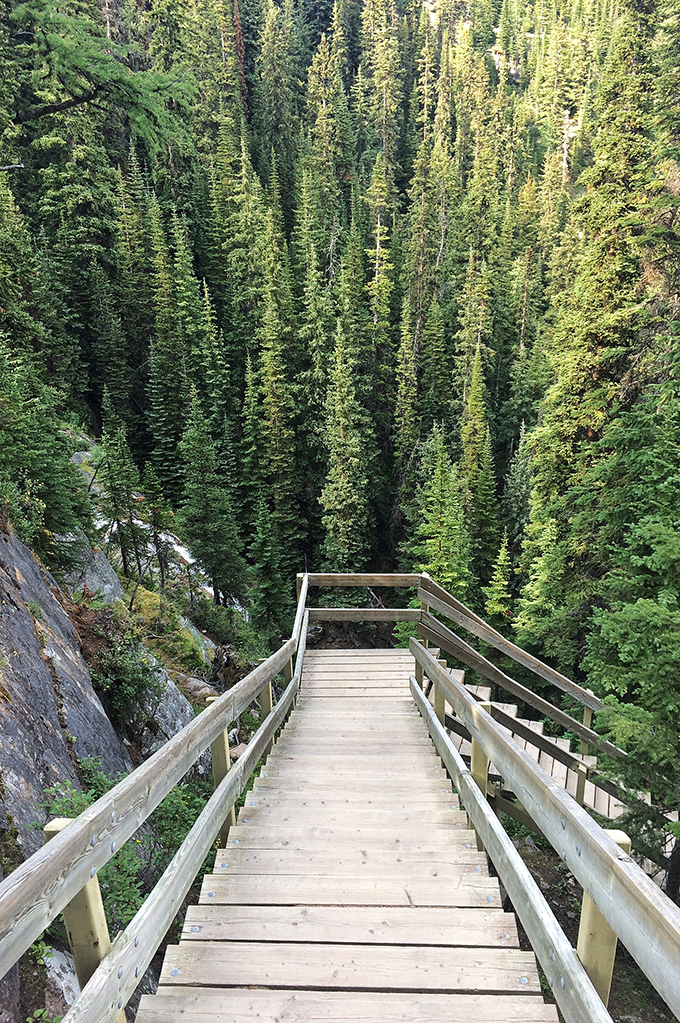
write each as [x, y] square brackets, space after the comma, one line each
[372, 284]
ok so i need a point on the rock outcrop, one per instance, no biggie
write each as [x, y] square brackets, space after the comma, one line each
[49, 711]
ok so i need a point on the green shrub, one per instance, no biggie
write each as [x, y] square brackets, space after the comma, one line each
[123, 682]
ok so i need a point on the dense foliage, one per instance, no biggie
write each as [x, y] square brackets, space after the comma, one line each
[373, 284]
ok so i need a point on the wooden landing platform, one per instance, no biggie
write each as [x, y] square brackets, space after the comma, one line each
[351, 890]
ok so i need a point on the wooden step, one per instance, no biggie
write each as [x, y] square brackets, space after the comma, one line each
[468, 889]
[352, 925]
[350, 967]
[234, 1005]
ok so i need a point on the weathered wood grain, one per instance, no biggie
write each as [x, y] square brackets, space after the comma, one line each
[469, 889]
[388, 968]
[206, 1005]
[353, 925]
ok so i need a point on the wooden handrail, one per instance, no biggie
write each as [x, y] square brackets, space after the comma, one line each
[357, 579]
[33, 894]
[438, 598]
[573, 990]
[120, 972]
[644, 918]
[431, 594]
[364, 614]
[434, 631]
[300, 612]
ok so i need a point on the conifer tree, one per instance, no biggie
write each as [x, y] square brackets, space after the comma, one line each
[443, 544]
[253, 466]
[406, 414]
[205, 516]
[344, 496]
[122, 497]
[111, 355]
[278, 426]
[498, 606]
[435, 371]
[269, 597]
[157, 517]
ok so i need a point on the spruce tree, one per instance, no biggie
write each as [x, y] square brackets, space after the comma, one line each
[344, 496]
[498, 606]
[205, 517]
[443, 542]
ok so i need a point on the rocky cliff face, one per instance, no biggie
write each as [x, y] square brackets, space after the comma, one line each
[49, 712]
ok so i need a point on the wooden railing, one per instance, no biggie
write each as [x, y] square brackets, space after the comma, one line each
[39, 889]
[574, 991]
[635, 909]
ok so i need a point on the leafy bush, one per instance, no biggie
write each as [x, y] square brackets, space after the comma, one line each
[123, 682]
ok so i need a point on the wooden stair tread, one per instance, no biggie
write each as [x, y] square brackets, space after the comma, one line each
[206, 1005]
[350, 967]
[398, 925]
[468, 889]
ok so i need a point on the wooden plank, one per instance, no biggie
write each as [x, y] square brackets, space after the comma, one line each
[407, 840]
[358, 653]
[33, 894]
[364, 614]
[312, 729]
[358, 677]
[362, 772]
[457, 612]
[380, 666]
[469, 889]
[349, 801]
[363, 579]
[645, 919]
[371, 784]
[346, 860]
[206, 1005]
[359, 680]
[353, 925]
[330, 817]
[391, 694]
[351, 740]
[356, 967]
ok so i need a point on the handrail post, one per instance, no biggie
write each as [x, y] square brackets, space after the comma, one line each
[588, 722]
[581, 777]
[479, 766]
[85, 921]
[267, 701]
[596, 946]
[221, 762]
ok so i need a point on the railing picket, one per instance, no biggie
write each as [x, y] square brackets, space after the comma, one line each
[221, 765]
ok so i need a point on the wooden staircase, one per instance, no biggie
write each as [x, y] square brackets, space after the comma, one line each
[351, 887]
[593, 797]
